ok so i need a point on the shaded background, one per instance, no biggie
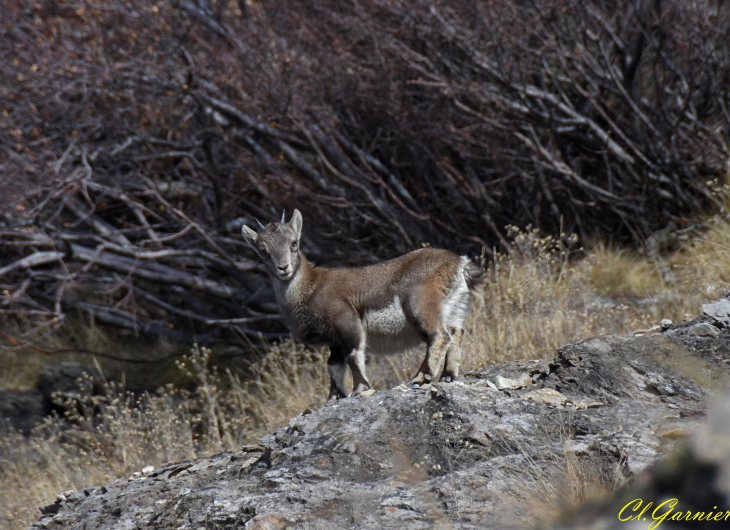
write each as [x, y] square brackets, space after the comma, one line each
[137, 137]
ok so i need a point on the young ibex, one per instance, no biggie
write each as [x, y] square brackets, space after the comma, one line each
[384, 308]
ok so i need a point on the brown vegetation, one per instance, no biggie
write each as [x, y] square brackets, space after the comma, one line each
[138, 136]
[533, 302]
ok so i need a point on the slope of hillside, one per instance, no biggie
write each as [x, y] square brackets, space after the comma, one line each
[480, 452]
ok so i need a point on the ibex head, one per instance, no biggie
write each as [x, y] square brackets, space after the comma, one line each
[278, 245]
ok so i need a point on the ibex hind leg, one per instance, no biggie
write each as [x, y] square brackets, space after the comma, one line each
[455, 307]
[453, 357]
[434, 361]
[424, 312]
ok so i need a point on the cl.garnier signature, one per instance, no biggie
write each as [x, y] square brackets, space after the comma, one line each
[637, 510]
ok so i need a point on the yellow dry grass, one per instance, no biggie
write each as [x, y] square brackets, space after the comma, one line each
[547, 293]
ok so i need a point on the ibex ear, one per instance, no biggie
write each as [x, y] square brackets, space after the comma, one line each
[249, 236]
[296, 223]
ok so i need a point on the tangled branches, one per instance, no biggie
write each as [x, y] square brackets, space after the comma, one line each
[138, 137]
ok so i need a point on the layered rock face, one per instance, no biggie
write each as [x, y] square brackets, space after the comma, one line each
[688, 489]
[468, 454]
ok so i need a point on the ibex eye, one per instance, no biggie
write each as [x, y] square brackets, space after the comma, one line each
[294, 245]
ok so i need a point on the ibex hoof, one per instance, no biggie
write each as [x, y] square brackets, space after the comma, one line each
[359, 390]
[420, 379]
[447, 379]
[334, 397]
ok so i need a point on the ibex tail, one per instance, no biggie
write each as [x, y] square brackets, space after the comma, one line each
[474, 275]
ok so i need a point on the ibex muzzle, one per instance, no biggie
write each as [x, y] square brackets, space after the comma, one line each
[384, 308]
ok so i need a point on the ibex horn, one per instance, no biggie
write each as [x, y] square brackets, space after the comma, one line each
[259, 222]
[282, 216]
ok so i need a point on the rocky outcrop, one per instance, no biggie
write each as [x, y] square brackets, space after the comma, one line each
[456, 455]
[66, 379]
[690, 489]
[21, 410]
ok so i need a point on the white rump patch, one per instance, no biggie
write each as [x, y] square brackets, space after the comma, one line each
[388, 330]
[457, 301]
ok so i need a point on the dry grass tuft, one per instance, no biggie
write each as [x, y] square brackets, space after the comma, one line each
[550, 485]
[538, 298]
[557, 487]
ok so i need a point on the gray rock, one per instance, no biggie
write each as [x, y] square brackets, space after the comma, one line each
[703, 329]
[63, 379]
[505, 383]
[719, 310]
[695, 479]
[22, 410]
[547, 396]
[456, 455]
[598, 346]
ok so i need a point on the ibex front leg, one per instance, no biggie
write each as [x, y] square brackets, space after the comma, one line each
[351, 336]
[356, 360]
[337, 368]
